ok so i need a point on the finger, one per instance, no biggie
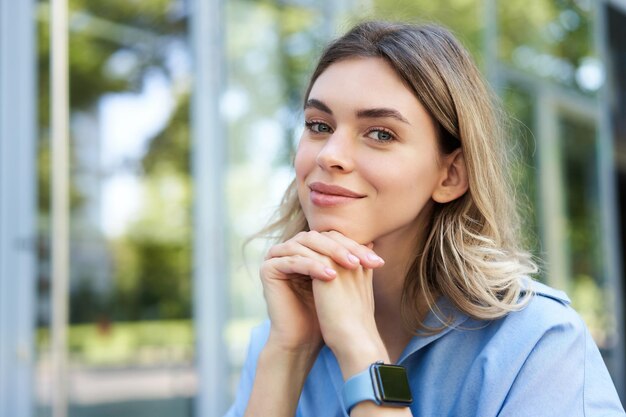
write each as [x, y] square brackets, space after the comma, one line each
[289, 248]
[289, 267]
[367, 257]
[316, 245]
[295, 248]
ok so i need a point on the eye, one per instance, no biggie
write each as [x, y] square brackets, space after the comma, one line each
[381, 135]
[318, 127]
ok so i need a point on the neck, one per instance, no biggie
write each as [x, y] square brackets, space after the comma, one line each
[388, 289]
[398, 250]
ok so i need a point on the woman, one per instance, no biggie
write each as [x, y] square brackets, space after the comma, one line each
[398, 245]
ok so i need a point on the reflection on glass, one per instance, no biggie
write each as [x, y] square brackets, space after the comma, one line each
[579, 159]
[519, 105]
[130, 337]
[552, 40]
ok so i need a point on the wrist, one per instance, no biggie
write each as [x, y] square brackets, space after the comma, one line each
[278, 382]
[295, 348]
[286, 368]
[380, 384]
[303, 354]
[360, 356]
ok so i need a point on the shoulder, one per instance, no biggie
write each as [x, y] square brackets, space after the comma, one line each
[560, 363]
[544, 322]
[548, 309]
[545, 331]
[546, 325]
[546, 292]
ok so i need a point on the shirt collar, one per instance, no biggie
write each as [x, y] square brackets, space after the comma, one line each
[445, 315]
[543, 290]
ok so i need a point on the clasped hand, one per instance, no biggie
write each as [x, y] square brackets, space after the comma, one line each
[319, 289]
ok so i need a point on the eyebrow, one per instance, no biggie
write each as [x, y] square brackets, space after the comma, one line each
[380, 113]
[316, 104]
[375, 113]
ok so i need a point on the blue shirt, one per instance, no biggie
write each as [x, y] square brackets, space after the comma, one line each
[540, 361]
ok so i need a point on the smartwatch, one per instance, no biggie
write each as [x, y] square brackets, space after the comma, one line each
[386, 385]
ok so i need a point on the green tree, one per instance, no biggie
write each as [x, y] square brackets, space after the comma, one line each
[112, 46]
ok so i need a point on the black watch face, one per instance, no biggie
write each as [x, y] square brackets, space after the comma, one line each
[393, 384]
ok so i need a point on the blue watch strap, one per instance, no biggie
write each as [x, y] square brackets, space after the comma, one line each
[359, 388]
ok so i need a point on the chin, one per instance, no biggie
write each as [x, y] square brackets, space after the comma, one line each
[350, 231]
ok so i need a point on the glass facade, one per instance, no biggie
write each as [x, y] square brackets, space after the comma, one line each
[184, 117]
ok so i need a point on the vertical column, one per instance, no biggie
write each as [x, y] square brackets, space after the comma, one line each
[17, 206]
[552, 218]
[609, 202]
[59, 129]
[490, 44]
[209, 174]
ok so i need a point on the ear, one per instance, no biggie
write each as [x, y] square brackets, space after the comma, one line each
[453, 182]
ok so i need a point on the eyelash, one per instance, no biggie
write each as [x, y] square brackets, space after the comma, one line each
[392, 137]
[310, 123]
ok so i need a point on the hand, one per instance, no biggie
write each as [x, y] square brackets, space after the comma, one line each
[286, 275]
[345, 310]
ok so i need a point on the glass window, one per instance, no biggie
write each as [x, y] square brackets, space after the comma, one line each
[583, 226]
[520, 105]
[130, 336]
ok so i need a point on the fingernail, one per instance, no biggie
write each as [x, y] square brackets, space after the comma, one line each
[330, 272]
[375, 258]
[353, 259]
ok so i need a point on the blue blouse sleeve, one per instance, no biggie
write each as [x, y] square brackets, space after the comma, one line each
[564, 375]
[257, 341]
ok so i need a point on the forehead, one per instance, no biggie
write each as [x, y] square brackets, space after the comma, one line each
[365, 83]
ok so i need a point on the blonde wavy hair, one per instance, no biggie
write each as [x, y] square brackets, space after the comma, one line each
[472, 254]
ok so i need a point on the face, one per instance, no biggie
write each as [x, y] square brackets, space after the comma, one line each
[368, 163]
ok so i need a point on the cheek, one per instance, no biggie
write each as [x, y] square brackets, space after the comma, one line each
[408, 185]
[304, 161]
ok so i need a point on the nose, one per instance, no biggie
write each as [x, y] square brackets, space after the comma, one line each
[337, 153]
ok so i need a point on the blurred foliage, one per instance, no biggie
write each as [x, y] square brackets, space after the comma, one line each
[105, 343]
[139, 343]
[168, 151]
[590, 300]
[463, 17]
[267, 72]
[98, 31]
[153, 259]
[552, 39]
[579, 166]
[112, 46]
[523, 148]
[44, 165]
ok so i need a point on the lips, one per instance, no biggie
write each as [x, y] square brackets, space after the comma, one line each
[326, 195]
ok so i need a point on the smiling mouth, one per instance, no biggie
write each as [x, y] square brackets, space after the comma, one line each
[326, 195]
